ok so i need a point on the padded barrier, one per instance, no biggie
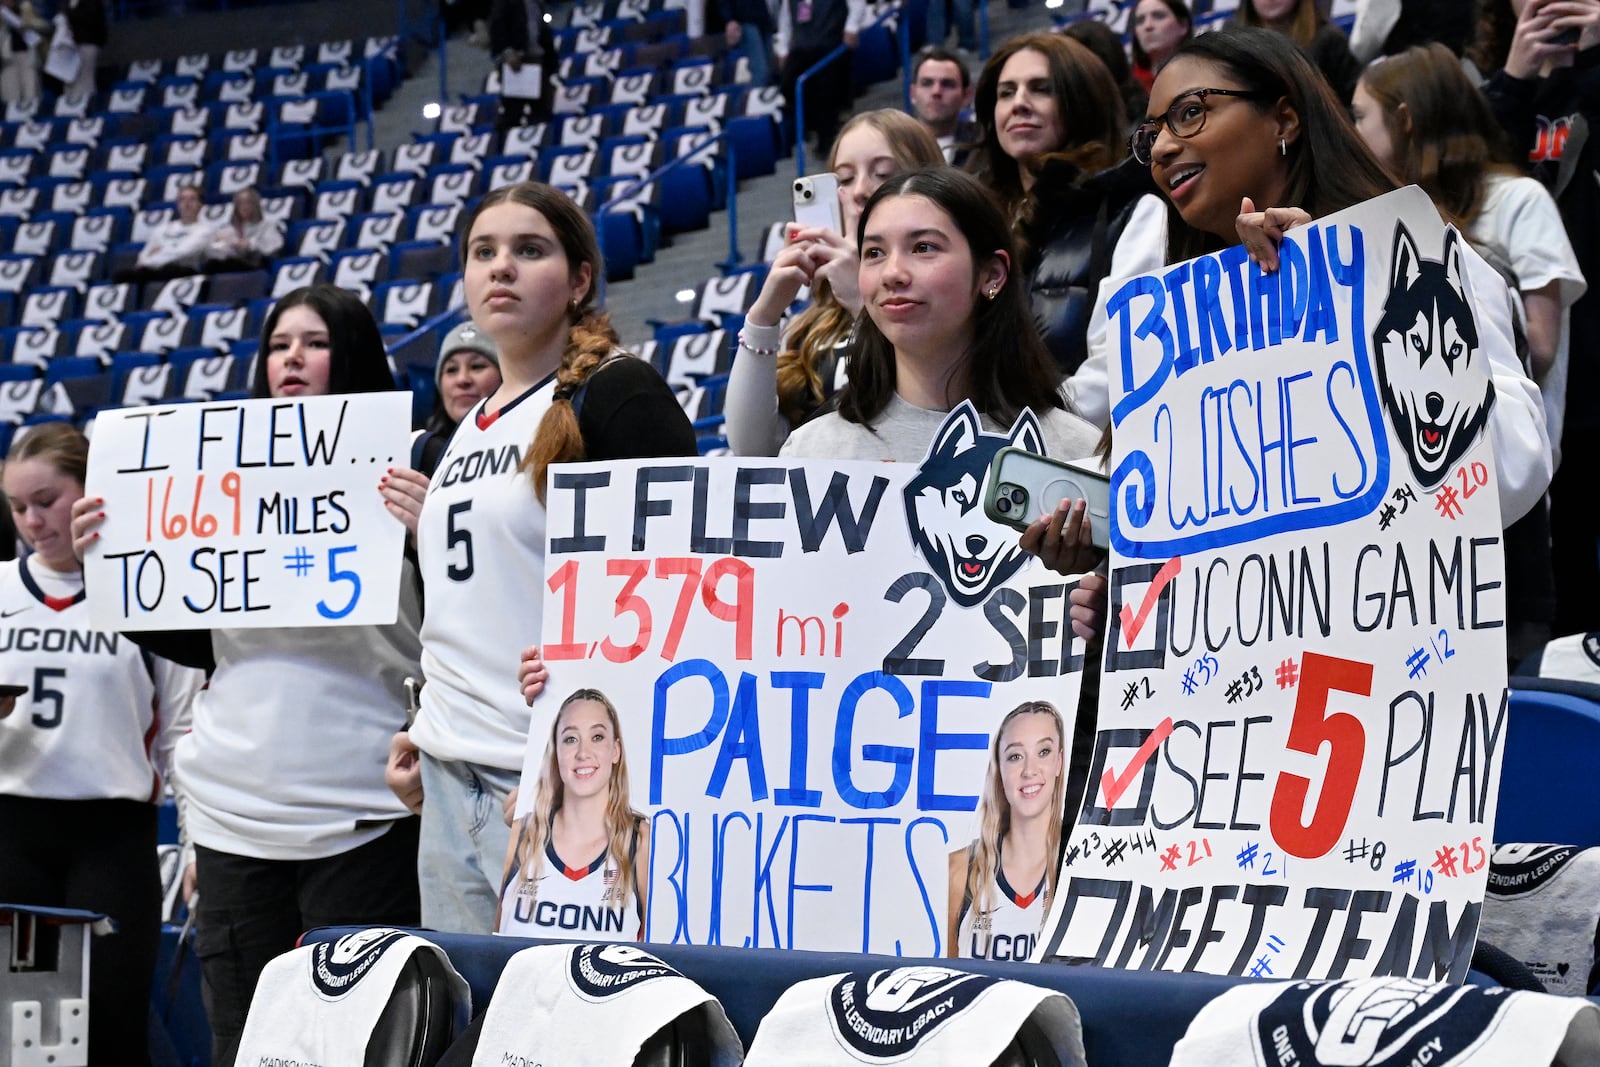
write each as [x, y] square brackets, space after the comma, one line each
[1130, 1019]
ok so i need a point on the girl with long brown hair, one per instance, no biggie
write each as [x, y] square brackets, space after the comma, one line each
[568, 392]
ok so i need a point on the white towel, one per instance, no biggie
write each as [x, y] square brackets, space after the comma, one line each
[320, 1003]
[594, 1005]
[1543, 908]
[1389, 1022]
[911, 1015]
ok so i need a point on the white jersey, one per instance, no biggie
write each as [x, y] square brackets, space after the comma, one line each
[1008, 930]
[480, 543]
[572, 903]
[101, 715]
[290, 739]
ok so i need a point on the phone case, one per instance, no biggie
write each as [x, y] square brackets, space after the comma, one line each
[816, 202]
[1023, 486]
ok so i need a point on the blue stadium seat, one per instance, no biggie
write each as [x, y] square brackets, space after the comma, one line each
[420, 260]
[1547, 778]
[64, 367]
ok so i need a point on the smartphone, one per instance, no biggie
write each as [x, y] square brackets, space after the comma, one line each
[1566, 37]
[816, 202]
[1023, 486]
[14, 690]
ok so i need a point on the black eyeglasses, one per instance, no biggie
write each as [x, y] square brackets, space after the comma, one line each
[1185, 118]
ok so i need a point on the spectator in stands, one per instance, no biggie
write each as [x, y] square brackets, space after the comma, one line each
[468, 370]
[1002, 882]
[1241, 116]
[292, 823]
[747, 26]
[248, 240]
[807, 31]
[177, 248]
[531, 265]
[1103, 41]
[1052, 142]
[582, 797]
[939, 12]
[85, 755]
[20, 32]
[768, 396]
[1159, 27]
[519, 36]
[941, 89]
[87, 21]
[1387, 27]
[1306, 24]
[1543, 89]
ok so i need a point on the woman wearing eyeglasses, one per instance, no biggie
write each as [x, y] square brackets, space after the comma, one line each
[1241, 118]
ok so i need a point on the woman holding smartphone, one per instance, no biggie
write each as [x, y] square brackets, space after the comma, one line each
[87, 728]
[784, 373]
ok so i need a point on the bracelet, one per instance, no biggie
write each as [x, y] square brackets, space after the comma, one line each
[745, 343]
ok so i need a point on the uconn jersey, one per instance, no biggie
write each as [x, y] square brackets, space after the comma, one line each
[571, 903]
[480, 543]
[100, 716]
[1008, 930]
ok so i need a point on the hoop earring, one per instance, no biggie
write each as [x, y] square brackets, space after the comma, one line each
[1283, 146]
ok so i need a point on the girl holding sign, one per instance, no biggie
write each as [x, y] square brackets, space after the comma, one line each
[1241, 117]
[1001, 884]
[83, 748]
[292, 823]
[568, 392]
[581, 809]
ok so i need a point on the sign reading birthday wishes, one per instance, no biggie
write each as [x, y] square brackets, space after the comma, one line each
[249, 513]
[809, 661]
[1303, 709]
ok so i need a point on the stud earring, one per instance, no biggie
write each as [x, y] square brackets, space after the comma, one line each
[994, 291]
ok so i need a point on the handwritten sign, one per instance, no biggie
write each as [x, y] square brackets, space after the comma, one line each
[1303, 708]
[809, 660]
[247, 514]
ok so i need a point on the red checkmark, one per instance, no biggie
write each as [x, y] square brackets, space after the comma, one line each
[1131, 623]
[1114, 785]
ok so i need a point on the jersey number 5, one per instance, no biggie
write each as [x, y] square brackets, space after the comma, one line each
[456, 536]
[43, 694]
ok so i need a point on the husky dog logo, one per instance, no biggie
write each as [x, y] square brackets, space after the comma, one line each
[884, 1015]
[1427, 347]
[601, 971]
[968, 553]
[336, 967]
[1375, 1022]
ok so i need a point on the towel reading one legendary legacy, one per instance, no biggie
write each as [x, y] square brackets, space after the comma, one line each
[1303, 707]
[808, 661]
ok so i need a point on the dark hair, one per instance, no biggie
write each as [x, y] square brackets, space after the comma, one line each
[1100, 39]
[590, 336]
[356, 359]
[1496, 24]
[1330, 166]
[1087, 106]
[1016, 371]
[938, 53]
[1308, 19]
[1180, 11]
[1453, 142]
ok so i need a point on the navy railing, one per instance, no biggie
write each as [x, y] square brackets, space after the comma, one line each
[732, 191]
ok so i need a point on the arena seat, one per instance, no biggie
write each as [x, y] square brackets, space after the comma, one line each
[1546, 783]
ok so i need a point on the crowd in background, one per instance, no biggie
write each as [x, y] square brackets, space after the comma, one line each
[977, 236]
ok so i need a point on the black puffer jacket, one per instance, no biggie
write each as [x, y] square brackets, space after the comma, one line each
[1071, 236]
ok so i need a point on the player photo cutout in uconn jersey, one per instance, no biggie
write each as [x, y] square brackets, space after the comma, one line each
[965, 550]
[1426, 342]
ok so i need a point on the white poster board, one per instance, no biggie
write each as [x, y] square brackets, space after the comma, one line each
[1303, 709]
[807, 690]
[248, 513]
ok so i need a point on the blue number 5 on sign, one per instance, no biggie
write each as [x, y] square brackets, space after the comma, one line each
[336, 575]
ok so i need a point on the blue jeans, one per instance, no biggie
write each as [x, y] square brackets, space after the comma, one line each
[755, 47]
[462, 851]
[966, 34]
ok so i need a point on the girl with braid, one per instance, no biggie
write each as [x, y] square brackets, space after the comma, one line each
[531, 268]
[577, 863]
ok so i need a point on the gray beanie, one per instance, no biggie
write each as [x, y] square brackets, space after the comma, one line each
[465, 337]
